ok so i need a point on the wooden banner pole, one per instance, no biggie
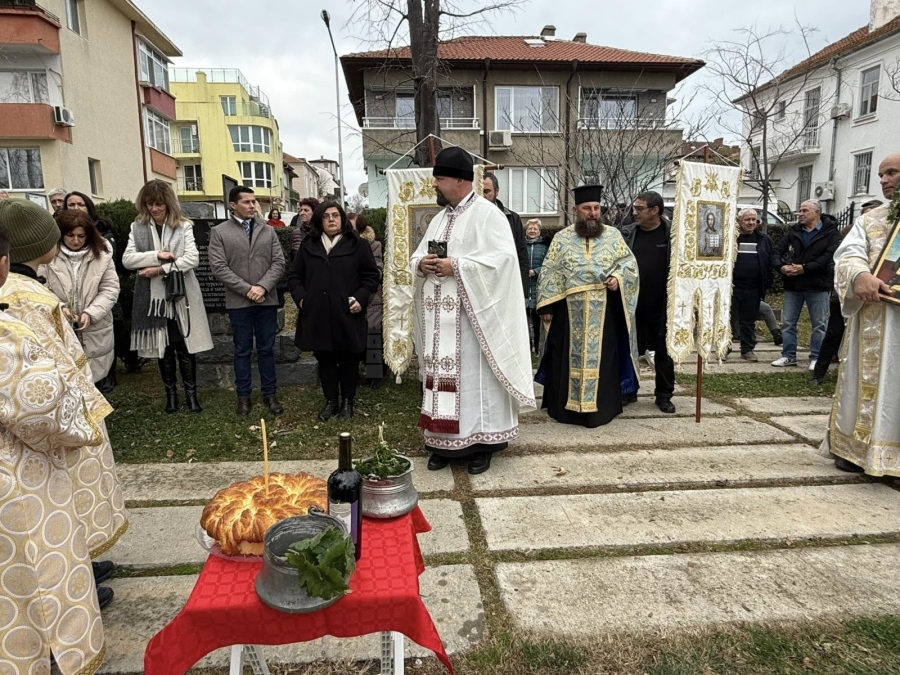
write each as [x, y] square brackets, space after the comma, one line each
[699, 390]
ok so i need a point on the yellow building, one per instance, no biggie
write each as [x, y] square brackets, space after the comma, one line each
[223, 126]
[84, 100]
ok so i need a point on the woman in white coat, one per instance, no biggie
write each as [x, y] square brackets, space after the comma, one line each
[83, 276]
[173, 331]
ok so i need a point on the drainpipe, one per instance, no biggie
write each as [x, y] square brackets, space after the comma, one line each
[484, 109]
[137, 87]
[834, 122]
[568, 136]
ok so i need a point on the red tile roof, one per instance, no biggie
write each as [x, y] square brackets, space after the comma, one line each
[289, 158]
[514, 48]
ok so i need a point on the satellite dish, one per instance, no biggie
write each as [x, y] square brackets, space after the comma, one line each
[364, 189]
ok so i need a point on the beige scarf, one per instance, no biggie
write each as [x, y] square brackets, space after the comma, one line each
[330, 243]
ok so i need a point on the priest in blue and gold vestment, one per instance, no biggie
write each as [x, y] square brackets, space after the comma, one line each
[588, 291]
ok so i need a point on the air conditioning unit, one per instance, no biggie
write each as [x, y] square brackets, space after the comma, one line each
[63, 116]
[840, 111]
[824, 191]
[500, 140]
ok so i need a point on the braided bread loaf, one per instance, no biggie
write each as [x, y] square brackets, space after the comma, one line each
[238, 516]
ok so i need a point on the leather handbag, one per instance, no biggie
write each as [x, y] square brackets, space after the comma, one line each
[175, 284]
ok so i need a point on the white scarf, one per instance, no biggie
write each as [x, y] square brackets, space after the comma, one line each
[330, 243]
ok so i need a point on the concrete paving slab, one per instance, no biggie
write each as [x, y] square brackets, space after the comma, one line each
[653, 432]
[645, 407]
[709, 516]
[736, 365]
[166, 535]
[143, 606]
[787, 405]
[652, 593]
[637, 469]
[197, 480]
[810, 427]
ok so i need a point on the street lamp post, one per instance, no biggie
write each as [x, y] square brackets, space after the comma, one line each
[337, 90]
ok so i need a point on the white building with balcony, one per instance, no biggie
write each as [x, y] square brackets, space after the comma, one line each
[540, 106]
[834, 117]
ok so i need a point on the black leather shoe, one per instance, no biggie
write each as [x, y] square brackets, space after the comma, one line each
[436, 462]
[104, 596]
[777, 337]
[665, 405]
[629, 398]
[479, 463]
[273, 405]
[346, 411]
[103, 570]
[844, 465]
[243, 406]
[329, 411]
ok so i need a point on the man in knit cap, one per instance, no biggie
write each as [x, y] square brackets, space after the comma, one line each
[59, 494]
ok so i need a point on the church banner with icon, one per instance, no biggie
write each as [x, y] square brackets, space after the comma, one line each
[704, 236]
[411, 205]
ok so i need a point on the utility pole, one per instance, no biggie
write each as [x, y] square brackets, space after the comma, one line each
[337, 92]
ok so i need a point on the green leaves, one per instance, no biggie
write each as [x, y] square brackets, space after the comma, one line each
[324, 563]
[384, 463]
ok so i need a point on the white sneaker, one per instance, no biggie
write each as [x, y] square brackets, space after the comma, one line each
[784, 361]
[651, 358]
[812, 364]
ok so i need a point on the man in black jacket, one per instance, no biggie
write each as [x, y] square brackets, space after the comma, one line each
[752, 276]
[648, 238]
[491, 191]
[805, 258]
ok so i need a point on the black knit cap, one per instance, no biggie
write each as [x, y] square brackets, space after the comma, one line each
[454, 163]
[588, 193]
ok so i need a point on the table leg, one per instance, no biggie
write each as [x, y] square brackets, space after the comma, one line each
[237, 660]
[253, 655]
[399, 660]
[387, 653]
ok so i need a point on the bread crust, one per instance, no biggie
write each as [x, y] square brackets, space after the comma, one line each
[238, 516]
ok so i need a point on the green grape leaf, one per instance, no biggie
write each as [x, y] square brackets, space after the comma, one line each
[323, 563]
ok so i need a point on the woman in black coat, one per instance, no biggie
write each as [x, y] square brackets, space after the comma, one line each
[332, 278]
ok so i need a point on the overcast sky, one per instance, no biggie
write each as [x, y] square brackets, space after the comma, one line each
[282, 45]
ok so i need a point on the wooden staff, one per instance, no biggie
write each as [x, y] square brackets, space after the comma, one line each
[262, 423]
[699, 390]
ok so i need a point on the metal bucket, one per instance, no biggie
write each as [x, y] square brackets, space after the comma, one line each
[276, 584]
[389, 497]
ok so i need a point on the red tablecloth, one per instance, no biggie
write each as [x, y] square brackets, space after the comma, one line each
[224, 610]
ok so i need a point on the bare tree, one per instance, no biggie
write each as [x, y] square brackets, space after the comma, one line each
[781, 109]
[357, 203]
[422, 24]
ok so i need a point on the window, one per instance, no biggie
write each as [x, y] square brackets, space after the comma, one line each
[251, 139]
[529, 191]
[605, 109]
[405, 111]
[190, 141]
[445, 106]
[73, 20]
[526, 109]
[193, 178]
[154, 66]
[20, 169]
[804, 184]
[862, 171]
[158, 132]
[229, 105]
[811, 119]
[780, 110]
[868, 91]
[23, 86]
[256, 174]
[94, 175]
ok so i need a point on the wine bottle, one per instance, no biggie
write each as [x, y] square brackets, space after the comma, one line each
[345, 493]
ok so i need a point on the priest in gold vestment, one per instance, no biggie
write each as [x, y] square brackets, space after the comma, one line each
[588, 292]
[864, 430]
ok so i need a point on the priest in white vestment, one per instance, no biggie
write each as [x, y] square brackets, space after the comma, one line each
[864, 431]
[469, 325]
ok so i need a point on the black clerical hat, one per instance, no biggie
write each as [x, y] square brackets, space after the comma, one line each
[588, 193]
[454, 163]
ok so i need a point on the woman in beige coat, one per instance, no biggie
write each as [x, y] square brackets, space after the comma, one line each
[83, 277]
[162, 242]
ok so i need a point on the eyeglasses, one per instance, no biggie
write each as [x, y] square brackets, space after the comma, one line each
[331, 216]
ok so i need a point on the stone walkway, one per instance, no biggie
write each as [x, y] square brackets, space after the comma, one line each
[653, 522]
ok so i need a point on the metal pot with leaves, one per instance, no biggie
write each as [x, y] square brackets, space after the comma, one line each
[388, 490]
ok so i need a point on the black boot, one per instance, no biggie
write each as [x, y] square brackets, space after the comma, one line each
[187, 362]
[169, 372]
[346, 409]
[776, 337]
[329, 411]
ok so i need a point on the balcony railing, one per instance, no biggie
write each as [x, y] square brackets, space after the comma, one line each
[410, 123]
[187, 146]
[247, 110]
[190, 184]
[219, 75]
[29, 4]
[626, 123]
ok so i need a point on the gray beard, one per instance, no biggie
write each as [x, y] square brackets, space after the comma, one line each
[588, 229]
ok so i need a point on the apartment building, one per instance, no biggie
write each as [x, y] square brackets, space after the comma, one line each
[224, 126]
[84, 98]
[833, 117]
[549, 110]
